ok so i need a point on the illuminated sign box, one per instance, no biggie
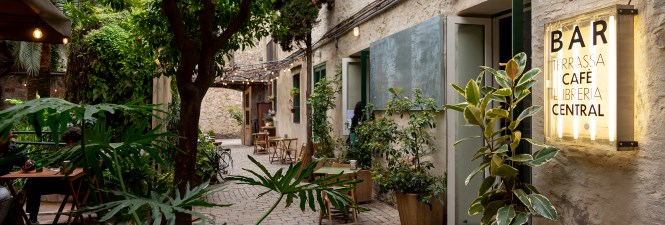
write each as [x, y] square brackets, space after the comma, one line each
[589, 72]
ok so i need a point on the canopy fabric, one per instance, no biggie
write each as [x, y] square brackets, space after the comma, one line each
[19, 18]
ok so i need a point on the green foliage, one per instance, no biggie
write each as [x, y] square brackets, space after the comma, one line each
[236, 113]
[289, 184]
[503, 198]
[404, 170]
[127, 170]
[204, 165]
[294, 91]
[153, 27]
[295, 21]
[323, 99]
[375, 137]
[162, 207]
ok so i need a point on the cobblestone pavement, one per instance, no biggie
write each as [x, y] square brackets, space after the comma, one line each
[247, 208]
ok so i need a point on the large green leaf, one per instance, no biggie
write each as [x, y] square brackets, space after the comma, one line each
[486, 185]
[497, 113]
[516, 137]
[475, 208]
[457, 107]
[465, 139]
[522, 196]
[520, 59]
[459, 90]
[521, 158]
[528, 76]
[503, 92]
[529, 112]
[505, 214]
[543, 206]
[472, 92]
[472, 115]
[505, 170]
[499, 76]
[536, 143]
[542, 156]
[474, 172]
[520, 218]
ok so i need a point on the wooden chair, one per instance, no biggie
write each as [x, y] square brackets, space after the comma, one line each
[274, 149]
[289, 149]
[260, 143]
[301, 155]
[351, 194]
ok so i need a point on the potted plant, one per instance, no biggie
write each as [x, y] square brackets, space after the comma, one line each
[294, 92]
[503, 198]
[419, 194]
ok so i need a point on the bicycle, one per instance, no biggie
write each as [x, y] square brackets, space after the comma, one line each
[222, 162]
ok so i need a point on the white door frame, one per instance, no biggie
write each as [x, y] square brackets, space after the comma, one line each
[345, 80]
[452, 98]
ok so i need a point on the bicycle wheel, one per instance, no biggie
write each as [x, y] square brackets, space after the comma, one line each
[225, 165]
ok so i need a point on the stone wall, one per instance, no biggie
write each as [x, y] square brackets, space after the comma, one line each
[12, 86]
[215, 115]
[598, 185]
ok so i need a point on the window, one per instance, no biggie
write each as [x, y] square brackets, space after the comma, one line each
[296, 99]
[319, 72]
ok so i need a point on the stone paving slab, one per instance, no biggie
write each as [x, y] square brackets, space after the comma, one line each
[247, 208]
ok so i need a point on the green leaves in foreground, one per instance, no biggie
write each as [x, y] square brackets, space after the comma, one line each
[486, 107]
[290, 184]
[161, 207]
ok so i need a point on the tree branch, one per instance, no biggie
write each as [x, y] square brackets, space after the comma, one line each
[205, 21]
[239, 21]
[177, 25]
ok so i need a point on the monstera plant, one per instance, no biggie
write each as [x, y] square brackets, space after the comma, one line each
[502, 197]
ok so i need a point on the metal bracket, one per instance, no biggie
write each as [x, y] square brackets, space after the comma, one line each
[627, 144]
[627, 11]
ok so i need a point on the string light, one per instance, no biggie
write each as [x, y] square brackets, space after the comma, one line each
[37, 33]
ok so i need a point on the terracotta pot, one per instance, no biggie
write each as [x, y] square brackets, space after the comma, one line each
[414, 212]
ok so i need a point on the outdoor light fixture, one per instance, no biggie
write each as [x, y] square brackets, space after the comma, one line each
[37, 33]
[356, 31]
[65, 41]
[589, 78]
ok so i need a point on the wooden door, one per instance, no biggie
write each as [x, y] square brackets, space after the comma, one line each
[262, 110]
[247, 106]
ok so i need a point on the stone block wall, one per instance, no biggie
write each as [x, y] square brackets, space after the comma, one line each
[215, 115]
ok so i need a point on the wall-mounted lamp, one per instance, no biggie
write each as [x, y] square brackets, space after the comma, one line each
[37, 33]
[356, 31]
[65, 41]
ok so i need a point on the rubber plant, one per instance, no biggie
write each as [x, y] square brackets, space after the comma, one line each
[502, 197]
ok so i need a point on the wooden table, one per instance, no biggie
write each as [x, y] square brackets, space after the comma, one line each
[334, 171]
[46, 173]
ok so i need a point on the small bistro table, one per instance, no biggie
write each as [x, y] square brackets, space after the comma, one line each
[46, 173]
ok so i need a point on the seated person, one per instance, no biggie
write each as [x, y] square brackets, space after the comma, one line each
[8, 160]
[34, 188]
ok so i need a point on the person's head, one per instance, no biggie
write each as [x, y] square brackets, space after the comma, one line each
[71, 136]
[358, 109]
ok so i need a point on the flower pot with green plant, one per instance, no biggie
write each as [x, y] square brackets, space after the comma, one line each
[294, 92]
[419, 193]
[503, 198]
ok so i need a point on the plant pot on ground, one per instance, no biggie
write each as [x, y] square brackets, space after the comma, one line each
[401, 148]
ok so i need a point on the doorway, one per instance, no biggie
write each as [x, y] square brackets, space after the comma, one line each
[351, 89]
[469, 46]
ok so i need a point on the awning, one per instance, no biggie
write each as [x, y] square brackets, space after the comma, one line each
[20, 18]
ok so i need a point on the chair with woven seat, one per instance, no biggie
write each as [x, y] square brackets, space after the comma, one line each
[351, 194]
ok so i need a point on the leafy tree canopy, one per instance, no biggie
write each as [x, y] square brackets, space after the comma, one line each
[296, 20]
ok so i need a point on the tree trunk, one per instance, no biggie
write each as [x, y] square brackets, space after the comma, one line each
[41, 83]
[308, 55]
[185, 159]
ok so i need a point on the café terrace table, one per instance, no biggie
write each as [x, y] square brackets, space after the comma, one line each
[77, 173]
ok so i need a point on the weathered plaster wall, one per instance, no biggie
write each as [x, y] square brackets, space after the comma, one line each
[397, 18]
[284, 122]
[597, 185]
